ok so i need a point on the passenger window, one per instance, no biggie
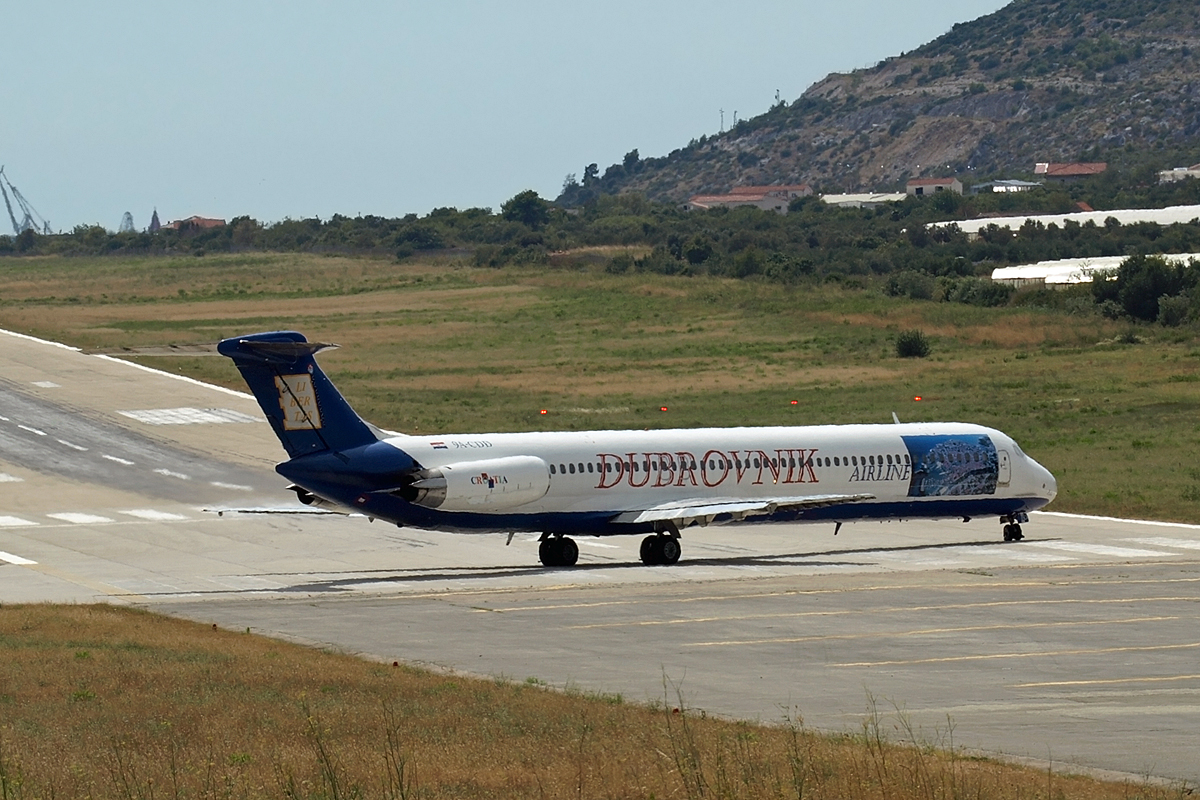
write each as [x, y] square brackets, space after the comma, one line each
[757, 464]
[580, 467]
[889, 459]
[562, 468]
[906, 460]
[572, 469]
[589, 466]
[552, 470]
[835, 462]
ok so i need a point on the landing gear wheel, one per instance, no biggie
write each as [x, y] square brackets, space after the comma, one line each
[568, 552]
[558, 551]
[670, 550]
[649, 550]
[1012, 532]
[660, 550]
[548, 552]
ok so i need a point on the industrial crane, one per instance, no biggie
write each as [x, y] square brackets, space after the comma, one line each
[30, 219]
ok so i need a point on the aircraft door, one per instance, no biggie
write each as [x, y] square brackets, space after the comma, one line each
[1004, 475]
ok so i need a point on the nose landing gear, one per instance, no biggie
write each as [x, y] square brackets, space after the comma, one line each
[1012, 527]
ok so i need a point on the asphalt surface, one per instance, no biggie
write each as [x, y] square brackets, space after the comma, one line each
[1079, 645]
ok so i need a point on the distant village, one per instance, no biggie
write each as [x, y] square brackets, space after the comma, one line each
[777, 198]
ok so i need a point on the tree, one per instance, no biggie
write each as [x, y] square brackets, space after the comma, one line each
[631, 161]
[590, 173]
[528, 208]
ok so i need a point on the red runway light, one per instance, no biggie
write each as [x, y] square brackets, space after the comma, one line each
[917, 399]
[543, 411]
[795, 402]
[662, 408]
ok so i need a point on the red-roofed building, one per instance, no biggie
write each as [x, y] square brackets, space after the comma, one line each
[195, 222]
[919, 187]
[790, 192]
[768, 198]
[1065, 173]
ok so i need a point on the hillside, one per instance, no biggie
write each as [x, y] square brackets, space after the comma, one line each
[1039, 80]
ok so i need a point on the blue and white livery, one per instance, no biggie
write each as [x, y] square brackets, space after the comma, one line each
[607, 483]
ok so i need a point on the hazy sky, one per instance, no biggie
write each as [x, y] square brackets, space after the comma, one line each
[297, 109]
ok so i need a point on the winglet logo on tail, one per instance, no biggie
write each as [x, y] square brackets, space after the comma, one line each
[298, 400]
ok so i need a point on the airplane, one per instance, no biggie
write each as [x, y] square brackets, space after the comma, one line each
[655, 483]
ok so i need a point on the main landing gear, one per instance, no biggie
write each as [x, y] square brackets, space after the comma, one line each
[1012, 527]
[557, 550]
[661, 548]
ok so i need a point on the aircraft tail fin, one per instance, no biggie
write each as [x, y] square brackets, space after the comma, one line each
[304, 408]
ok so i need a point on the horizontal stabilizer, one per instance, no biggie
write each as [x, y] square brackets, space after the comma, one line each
[283, 352]
[687, 512]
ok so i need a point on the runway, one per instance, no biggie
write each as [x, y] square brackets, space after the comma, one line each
[1079, 645]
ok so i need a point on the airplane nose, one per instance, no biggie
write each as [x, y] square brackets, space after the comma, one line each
[1049, 484]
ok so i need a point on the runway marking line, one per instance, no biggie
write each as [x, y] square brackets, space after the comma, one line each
[1046, 654]
[77, 518]
[659, 601]
[31, 430]
[6, 478]
[15, 522]
[886, 610]
[1163, 541]
[929, 631]
[72, 445]
[1116, 519]
[15, 560]
[153, 515]
[124, 461]
[1106, 681]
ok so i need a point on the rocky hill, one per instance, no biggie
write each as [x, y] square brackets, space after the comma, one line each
[1039, 80]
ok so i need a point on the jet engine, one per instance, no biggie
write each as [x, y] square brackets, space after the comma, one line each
[479, 485]
[316, 501]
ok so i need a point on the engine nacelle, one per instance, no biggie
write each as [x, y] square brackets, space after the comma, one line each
[477, 485]
[316, 501]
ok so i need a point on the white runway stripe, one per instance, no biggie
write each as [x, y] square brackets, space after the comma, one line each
[72, 445]
[6, 478]
[17, 560]
[1116, 519]
[79, 519]
[1099, 549]
[124, 461]
[171, 474]
[1163, 541]
[237, 487]
[14, 522]
[31, 430]
[153, 515]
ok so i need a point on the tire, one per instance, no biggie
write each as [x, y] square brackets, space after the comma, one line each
[568, 552]
[670, 550]
[550, 552]
[649, 551]
[1017, 534]
[1008, 533]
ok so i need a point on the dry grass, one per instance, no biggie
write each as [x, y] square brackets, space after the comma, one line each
[445, 347]
[106, 702]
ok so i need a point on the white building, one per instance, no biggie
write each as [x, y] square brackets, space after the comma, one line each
[1179, 173]
[1069, 271]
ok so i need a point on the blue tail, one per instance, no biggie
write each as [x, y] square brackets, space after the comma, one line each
[308, 413]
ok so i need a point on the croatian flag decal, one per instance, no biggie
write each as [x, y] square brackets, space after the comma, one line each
[439, 446]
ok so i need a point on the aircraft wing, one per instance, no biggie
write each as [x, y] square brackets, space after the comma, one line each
[686, 512]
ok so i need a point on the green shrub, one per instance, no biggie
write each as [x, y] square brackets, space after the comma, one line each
[912, 344]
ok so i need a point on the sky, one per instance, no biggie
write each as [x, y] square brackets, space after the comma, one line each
[298, 109]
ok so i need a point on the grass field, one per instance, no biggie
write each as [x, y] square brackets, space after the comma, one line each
[432, 348]
[106, 702]
[445, 347]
